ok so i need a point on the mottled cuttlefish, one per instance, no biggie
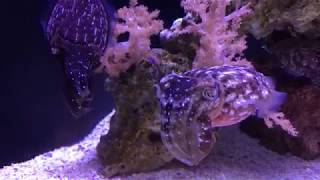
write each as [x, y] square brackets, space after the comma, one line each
[78, 30]
[193, 103]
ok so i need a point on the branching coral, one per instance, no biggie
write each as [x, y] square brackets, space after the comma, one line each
[220, 42]
[140, 24]
[278, 118]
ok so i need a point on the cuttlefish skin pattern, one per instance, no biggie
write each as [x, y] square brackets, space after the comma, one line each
[192, 104]
[78, 30]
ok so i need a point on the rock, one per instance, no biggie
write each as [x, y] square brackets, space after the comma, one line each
[133, 143]
[302, 108]
[299, 57]
[295, 67]
[297, 16]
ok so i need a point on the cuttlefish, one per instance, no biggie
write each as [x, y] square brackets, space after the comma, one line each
[194, 103]
[78, 30]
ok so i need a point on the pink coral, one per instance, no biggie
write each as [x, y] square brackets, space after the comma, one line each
[141, 24]
[220, 42]
[278, 118]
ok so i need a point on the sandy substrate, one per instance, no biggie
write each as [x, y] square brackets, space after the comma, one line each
[236, 156]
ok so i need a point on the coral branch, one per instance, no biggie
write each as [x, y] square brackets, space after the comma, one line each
[220, 42]
[140, 24]
[278, 118]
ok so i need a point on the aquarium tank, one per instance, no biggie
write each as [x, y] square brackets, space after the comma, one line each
[180, 89]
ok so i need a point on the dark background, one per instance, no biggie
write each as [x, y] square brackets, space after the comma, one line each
[33, 115]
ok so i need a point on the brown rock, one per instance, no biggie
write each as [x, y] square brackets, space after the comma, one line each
[133, 143]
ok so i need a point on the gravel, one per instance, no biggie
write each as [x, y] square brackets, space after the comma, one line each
[236, 156]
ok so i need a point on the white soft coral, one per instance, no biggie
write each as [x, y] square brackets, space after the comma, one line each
[220, 42]
[278, 118]
[141, 25]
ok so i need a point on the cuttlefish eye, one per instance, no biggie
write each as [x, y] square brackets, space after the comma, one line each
[209, 93]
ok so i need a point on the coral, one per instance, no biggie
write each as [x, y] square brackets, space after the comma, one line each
[278, 118]
[295, 16]
[176, 40]
[220, 42]
[140, 24]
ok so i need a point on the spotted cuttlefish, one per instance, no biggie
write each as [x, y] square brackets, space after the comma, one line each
[78, 30]
[195, 102]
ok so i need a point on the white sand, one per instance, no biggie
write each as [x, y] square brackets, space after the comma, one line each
[236, 156]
